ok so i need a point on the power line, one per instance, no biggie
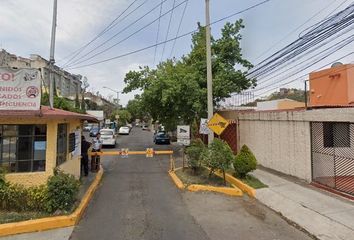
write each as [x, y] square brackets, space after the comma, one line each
[139, 30]
[168, 30]
[179, 27]
[302, 76]
[171, 39]
[106, 29]
[158, 32]
[291, 32]
[330, 40]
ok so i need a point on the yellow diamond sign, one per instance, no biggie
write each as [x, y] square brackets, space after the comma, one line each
[218, 124]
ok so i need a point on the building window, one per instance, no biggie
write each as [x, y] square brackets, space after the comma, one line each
[336, 134]
[23, 147]
[62, 143]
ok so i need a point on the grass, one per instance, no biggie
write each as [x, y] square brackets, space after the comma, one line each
[8, 217]
[202, 177]
[253, 182]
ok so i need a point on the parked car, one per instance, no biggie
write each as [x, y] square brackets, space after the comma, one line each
[145, 127]
[108, 137]
[124, 131]
[94, 131]
[162, 137]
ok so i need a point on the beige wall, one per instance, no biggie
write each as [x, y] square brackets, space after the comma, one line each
[282, 140]
[72, 165]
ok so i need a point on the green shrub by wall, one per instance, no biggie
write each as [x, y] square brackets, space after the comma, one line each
[244, 162]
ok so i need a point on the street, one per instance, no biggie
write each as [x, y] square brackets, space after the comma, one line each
[137, 200]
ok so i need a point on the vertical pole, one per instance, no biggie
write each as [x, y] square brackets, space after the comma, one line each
[183, 157]
[117, 100]
[51, 57]
[305, 94]
[209, 69]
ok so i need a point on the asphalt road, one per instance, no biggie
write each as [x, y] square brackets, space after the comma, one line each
[137, 200]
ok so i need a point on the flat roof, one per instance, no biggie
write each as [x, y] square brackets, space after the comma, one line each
[46, 113]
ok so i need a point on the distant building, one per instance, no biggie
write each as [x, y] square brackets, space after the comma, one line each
[279, 104]
[67, 85]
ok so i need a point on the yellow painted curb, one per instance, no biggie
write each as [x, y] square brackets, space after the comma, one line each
[48, 223]
[238, 183]
[176, 180]
[232, 191]
[224, 190]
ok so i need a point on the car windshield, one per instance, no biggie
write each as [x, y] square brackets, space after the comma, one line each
[106, 132]
[94, 129]
[161, 134]
[124, 128]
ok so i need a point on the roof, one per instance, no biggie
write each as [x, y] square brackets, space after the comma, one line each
[46, 113]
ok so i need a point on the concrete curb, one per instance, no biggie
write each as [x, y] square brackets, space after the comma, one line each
[48, 223]
[176, 180]
[238, 183]
[224, 190]
[235, 191]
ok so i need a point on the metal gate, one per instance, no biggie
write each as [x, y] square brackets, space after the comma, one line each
[333, 155]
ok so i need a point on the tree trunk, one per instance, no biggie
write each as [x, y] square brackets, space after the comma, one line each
[223, 173]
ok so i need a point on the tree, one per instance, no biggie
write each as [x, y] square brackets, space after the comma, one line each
[136, 109]
[177, 89]
[244, 162]
[218, 157]
[124, 116]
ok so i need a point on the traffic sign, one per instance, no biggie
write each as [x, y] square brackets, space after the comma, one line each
[125, 152]
[149, 152]
[218, 124]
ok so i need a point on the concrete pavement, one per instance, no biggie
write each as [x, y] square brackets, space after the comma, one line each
[323, 215]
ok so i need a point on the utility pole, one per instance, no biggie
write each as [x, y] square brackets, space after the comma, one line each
[209, 70]
[51, 57]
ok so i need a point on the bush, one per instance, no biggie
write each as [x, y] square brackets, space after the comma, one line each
[62, 190]
[218, 156]
[194, 153]
[244, 162]
[59, 194]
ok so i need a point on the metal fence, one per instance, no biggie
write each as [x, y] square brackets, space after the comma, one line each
[333, 155]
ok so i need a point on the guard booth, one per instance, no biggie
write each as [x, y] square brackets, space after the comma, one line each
[33, 143]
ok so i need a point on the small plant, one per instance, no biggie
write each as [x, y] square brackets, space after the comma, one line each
[218, 157]
[244, 162]
[194, 153]
[62, 190]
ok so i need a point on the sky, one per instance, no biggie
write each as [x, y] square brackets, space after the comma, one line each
[25, 28]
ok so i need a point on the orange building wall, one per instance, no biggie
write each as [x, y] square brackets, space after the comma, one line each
[333, 86]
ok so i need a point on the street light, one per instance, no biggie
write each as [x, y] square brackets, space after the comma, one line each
[117, 92]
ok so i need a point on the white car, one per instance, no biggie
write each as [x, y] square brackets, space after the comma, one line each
[108, 137]
[124, 131]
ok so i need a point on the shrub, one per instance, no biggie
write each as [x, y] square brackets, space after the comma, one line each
[62, 190]
[37, 198]
[218, 156]
[194, 153]
[244, 162]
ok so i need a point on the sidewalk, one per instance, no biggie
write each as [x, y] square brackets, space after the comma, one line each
[322, 215]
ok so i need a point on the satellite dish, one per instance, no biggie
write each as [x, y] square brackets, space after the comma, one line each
[336, 64]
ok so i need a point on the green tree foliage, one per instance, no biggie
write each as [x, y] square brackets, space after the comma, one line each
[177, 89]
[124, 117]
[244, 162]
[219, 156]
[194, 153]
[136, 109]
[61, 103]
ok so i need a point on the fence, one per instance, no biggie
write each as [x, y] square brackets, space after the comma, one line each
[333, 155]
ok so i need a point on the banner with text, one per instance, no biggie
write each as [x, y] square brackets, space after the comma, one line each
[20, 89]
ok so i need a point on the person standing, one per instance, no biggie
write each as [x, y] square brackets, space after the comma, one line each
[96, 147]
[85, 145]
